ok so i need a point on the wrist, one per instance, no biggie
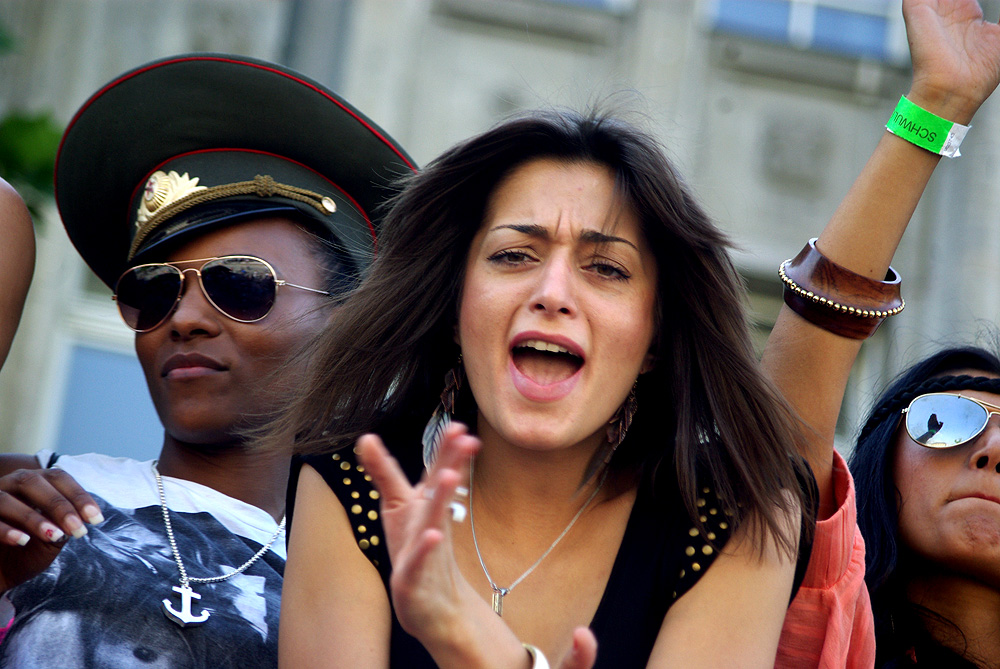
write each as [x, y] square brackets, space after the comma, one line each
[474, 636]
[950, 105]
[925, 129]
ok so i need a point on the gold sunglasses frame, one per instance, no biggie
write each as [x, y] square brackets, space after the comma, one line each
[278, 283]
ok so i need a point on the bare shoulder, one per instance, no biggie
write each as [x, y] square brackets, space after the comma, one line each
[17, 262]
[14, 215]
[348, 600]
[746, 590]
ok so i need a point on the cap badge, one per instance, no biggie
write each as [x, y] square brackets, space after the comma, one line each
[162, 189]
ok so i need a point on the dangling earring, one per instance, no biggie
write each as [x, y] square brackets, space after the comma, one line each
[619, 424]
[617, 429]
[441, 418]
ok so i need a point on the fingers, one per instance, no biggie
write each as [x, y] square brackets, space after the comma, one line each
[457, 447]
[583, 655]
[442, 495]
[387, 476]
[45, 503]
[456, 451]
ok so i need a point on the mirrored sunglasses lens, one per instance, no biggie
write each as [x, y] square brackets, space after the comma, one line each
[242, 288]
[147, 294]
[941, 421]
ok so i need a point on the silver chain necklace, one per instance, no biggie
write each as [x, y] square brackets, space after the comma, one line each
[185, 617]
[498, 592]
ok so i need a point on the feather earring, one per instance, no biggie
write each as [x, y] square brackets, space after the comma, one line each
[441, 418]
[619, 424]
[617, 429]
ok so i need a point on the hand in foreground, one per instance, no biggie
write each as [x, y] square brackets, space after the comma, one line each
[955, 53]
[432, 599]
[583, 654]
[39, 510]
[427, 587]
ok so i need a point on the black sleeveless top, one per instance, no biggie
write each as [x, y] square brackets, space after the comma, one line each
[660, 558]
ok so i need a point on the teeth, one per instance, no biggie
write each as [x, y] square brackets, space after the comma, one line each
[540, 345]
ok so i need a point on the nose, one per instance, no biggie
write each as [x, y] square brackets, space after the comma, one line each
[986, 452]
[193, 315]
[555, 292]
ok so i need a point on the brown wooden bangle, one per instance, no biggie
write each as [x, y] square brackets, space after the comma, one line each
[835, 298]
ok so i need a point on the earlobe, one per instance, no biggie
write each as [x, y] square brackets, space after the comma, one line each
[648, 363]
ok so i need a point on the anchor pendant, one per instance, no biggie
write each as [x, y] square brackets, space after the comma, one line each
[498, 595]
[184, 617]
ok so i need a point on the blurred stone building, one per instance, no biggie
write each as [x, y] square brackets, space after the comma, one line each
[769, 107]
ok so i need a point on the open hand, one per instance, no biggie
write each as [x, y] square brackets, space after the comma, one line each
[431, 597]
[427, 587]
[39, 510]
[955, 53]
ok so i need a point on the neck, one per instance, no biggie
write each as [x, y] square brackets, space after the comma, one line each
[252, 476]
[970, 610]
[512, 480]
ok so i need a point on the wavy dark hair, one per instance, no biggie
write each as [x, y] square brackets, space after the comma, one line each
[898, 623]
[705, 411]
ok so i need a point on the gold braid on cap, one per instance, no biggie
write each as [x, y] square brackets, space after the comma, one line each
[169, 194]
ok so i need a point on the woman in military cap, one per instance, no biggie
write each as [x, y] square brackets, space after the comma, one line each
[229, 203]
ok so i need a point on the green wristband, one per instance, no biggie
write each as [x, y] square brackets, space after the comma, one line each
[928, 131]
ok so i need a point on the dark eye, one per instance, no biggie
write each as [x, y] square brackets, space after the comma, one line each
[609, 271]
[510, 257]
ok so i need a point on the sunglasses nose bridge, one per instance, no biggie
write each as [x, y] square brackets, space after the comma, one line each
[185, 285]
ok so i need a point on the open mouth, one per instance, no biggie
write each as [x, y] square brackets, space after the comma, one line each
[545, 363]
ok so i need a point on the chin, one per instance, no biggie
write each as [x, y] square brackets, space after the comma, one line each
[548, 438]
[207, 439]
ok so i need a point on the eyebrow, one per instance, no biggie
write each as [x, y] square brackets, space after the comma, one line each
[590, 236]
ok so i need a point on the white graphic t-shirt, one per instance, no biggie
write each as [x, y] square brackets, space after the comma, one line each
[101, 603]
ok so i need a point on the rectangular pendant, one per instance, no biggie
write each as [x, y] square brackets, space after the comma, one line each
[498, 602]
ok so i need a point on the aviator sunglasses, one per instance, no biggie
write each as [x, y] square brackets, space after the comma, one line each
[943, 420]
[242, 288]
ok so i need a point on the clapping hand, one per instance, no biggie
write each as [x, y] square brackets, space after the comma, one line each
[427, 587]
[432, 599]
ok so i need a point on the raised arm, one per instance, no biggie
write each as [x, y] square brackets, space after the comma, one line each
[956, 66]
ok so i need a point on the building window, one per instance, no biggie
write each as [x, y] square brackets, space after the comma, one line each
[865, 29]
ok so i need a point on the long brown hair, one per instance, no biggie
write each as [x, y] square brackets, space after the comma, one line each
[706, 414]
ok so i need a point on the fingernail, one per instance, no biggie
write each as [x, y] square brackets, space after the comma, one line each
[93, 514]
[51, 532]
[20, 537]
[457, 512]
[75, 526]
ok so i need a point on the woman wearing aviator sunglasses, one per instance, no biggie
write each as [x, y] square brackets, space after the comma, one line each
[227, 240]
[927, 470]
[926, 464]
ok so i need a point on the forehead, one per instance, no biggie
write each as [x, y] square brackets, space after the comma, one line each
[276, 239]
[543, 190]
